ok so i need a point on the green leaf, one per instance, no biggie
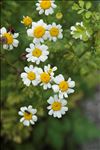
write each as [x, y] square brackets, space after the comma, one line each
[88, 14]
[88, 5]
[80, 11]
[81, 3]
[75, 7]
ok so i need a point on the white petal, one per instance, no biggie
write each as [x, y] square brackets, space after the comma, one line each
[50, 112]
[20, 113]
[34, 118]
[26, 123]
[22, 119]
[55, 88]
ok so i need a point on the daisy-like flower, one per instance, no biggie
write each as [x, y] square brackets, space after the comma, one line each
[38, 31]
[50, 70]
[45, 6]
[54, 32]
[63, 87]
[27, 21]
[37, 53]
[57, 106]
[28, 115]
[46, 77]
[30, 76]
[80, 31]
[8, 39]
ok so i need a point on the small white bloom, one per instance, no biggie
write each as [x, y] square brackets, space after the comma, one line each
[46, 77]
[8, 39]
[37, 53]
[38, 31]
[63, 87]
[54, 32]
[28, 115]
[30, 76]
[50, 70]
[45, 6]
[57, 106]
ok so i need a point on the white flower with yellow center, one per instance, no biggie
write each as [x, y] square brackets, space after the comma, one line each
[38, 31]
[30, 76]
[46, 78]
[45, 6]
[50, 70]
[63, 87]
[55, 32]
[37, 53]
[28, 115]
[8, 39]
[27, 21]
[57, 106]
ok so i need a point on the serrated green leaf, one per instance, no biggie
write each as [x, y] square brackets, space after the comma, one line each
[75, 6]
[88, 14]
[88, 5]
[81, 3]
[80, 11]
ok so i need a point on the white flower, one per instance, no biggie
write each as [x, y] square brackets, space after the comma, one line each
[57, 106]
[54, 32]
[8, 39]
[37, 53]
[63, 87]
[45, 6]
[38, 31]
[28, 115]
[50, 70]
[30, 76]
[46, 78]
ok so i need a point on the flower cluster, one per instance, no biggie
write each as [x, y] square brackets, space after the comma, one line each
[38, 52]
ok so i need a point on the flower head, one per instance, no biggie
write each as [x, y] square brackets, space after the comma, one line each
[50, 70]
[37, 53]
[38, 31]
[63, 87]
[45, 6]
[28, 115]
[80, 31]
[46, 77]
[30, 76]
[57, 106]
[8, 39]
[27, 21]
[55, 31]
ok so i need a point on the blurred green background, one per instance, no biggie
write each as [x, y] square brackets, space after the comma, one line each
[74, 58]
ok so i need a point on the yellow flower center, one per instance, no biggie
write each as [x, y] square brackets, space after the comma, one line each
[9, 38]
[45, 4]
[54, 31]
[56, 106]
[27, 115]
[39, 31]
[63, 86]
[37, 52]
[45, 77]
[27, 21]
[31, 75]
